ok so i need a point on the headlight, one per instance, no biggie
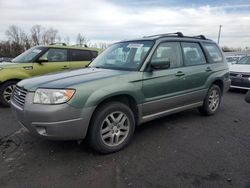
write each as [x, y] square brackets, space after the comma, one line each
[53, 96]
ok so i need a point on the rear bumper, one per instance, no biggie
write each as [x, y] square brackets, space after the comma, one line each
[57, 122]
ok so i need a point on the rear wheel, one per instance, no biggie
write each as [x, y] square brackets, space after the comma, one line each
[212, 101]
[6, 91]
[112, 127]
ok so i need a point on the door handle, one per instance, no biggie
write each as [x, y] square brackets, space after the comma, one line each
[208, 69]
[65, 67]
[179, 73]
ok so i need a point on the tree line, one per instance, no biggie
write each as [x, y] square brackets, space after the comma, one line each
[19, 41]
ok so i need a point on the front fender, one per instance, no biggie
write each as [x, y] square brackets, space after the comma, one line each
[11, 74]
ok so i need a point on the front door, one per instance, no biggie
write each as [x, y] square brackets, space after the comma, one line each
[53, 60]
[160, 85]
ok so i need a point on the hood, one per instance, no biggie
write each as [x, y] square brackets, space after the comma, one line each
[8, 65]
[239, 68]
[69, 78]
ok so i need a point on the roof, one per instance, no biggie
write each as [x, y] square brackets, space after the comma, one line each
[177, 35]
[69, 47]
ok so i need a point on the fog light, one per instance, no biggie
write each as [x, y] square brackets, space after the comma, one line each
[41, 130]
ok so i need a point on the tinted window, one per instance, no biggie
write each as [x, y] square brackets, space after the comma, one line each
[244, 60]
[193, 54]
[169, 52]
[55, 55]
[94, 54]
[80, 55]
[214, 53]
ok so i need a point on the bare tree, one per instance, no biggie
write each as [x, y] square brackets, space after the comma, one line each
[66, 40]
[49, 36]
[13, 34]
[18, 38]
[81, 40]
[36, 34]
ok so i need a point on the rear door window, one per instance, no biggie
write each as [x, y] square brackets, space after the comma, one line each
[193, 54]
[94, 54]
[80, 55]
[213, 52]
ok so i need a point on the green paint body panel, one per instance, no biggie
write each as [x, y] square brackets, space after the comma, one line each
[156, 92]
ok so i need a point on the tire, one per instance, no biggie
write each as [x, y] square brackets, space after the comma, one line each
[111, 128]
[5, 92]
[212, 101]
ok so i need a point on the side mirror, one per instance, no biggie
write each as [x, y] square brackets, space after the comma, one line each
[247, 98]
[158, 65]
[40, 61]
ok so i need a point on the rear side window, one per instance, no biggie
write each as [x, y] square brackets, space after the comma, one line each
[80, 55]
[193, 54]
[94, 54]
[214, 53]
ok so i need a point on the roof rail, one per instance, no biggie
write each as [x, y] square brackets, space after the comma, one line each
[59, 44]
[179, 34]
[200, 36]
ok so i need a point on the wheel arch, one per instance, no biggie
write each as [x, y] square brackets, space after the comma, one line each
[13, 79]
[219, 83]
[123, 98]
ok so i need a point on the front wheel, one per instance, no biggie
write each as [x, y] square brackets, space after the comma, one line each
[212, 101]
[6, 91]
[112, 127]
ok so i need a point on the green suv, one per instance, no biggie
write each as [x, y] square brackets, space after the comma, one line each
[40, 60]
[130, 83]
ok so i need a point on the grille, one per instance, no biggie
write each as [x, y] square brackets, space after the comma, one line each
[19, 95]
[237, 74]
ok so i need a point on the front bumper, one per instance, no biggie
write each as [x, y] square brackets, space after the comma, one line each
[240, 81]
[59, 122]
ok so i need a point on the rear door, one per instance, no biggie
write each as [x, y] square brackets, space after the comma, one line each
[53, 60]
[80, 58]
[197, 68]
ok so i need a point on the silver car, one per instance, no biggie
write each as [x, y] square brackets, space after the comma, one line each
[240, 74]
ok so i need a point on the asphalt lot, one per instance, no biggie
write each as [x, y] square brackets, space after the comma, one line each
[182, 150]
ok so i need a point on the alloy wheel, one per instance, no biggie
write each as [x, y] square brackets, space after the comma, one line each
[115, 128]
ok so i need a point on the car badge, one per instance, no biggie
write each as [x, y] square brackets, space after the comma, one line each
[19, 93]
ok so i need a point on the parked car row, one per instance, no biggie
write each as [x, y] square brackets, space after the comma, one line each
[234, 59]
[130, 83]
[5, 59]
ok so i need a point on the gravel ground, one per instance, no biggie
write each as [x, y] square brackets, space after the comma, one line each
[182, 150]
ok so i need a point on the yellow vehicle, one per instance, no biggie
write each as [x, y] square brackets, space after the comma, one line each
[41, 60]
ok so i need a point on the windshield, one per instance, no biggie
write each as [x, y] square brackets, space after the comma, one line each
[28, 55]
[123, 56]
[244, 60]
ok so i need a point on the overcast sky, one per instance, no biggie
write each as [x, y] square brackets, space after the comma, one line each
[115, 20]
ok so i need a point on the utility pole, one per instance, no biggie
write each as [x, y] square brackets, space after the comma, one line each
[219, 34]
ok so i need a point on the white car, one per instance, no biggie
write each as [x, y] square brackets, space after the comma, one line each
[240, 74]
[233, 59]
